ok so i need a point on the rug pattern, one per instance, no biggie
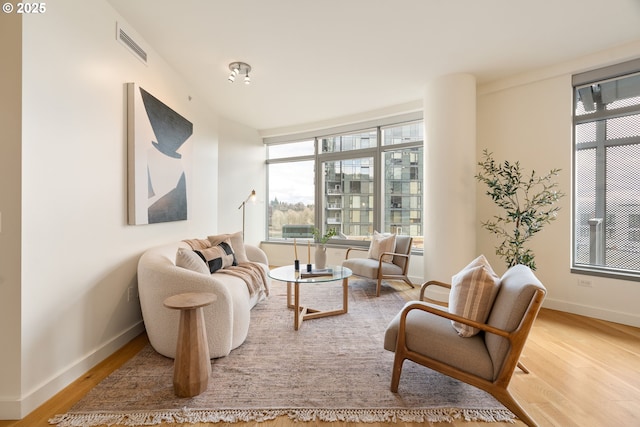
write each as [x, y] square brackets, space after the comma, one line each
[332, 369]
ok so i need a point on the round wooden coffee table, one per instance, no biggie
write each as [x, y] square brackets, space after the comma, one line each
[192, 365]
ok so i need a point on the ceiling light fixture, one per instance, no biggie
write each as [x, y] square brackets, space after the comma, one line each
[239, 68]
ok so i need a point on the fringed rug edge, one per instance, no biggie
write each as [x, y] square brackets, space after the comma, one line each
[186, 415]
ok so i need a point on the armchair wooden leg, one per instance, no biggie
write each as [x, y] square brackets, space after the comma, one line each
[408, 282]
[395, 373]
[523, 368]
[379, 285]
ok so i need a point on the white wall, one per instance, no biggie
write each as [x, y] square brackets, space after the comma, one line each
[79, 256]
[529, 119]
[241, 169]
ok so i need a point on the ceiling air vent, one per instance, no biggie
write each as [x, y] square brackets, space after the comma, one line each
[131, 44]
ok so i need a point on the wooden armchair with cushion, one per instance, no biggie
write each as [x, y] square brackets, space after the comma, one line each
[387, 258]
[426, 334]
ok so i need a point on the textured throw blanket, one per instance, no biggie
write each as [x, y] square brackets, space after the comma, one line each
[198, 244]
[252, 274]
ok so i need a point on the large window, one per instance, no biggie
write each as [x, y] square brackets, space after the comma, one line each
[291, 176]
[367, 180]
[607, 171]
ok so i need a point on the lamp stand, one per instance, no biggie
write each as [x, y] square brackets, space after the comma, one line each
[252, 197]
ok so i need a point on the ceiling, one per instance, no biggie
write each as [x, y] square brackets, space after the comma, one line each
[319, 60]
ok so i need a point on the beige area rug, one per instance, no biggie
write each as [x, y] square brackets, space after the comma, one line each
[332, 369]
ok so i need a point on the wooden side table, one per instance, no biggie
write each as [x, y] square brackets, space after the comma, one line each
[192, 365]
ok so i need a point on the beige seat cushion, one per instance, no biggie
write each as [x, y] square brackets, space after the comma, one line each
[434, 337]
[473, 291]
[367, 267]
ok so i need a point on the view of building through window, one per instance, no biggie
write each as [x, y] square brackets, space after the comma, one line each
[348, 199]
[363, 185]
[403, 192]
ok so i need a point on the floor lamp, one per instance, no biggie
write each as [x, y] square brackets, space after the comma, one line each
[252, 197]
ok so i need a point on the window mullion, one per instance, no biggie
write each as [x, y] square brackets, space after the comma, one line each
[378, 215]
[601, 136]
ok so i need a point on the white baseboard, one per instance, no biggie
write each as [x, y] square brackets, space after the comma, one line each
[19, 408]
[595, 312]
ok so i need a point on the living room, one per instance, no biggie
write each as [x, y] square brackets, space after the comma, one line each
[67, 254]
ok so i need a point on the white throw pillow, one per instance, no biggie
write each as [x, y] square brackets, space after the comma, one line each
[187, 258]
[381, 243]
[473, 291]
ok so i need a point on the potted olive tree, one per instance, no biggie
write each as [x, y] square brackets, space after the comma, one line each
[528, 203]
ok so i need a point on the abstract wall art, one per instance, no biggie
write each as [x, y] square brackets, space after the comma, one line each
[157, 173]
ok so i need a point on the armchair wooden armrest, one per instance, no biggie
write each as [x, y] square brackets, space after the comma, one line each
[424, 287]
[382, 255]
[346, 255]
[455, 318]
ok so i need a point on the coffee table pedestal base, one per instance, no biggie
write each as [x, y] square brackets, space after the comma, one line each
[302, 313]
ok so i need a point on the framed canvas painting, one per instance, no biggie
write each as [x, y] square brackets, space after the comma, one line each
[156, 170]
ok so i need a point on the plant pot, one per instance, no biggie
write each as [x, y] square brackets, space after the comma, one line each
[321, 256]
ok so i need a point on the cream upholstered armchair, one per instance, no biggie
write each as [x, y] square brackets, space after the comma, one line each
[381, 263]
[424, 333]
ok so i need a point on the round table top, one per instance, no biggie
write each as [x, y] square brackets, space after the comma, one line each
[189, 300]
[288, 274]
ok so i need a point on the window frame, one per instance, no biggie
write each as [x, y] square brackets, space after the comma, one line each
[321, 159]
[600, 145]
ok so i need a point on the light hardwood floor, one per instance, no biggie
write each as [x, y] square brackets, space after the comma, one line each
[584, 373]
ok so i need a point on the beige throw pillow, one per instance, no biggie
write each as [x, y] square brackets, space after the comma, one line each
[473, 291]
[187, 258]
[381, 243]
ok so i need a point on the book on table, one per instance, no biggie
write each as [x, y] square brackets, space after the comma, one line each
[317, 272]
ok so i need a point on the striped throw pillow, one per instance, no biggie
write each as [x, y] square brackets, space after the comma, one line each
[473, 291]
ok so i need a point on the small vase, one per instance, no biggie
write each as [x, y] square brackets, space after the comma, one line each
[321, 256]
